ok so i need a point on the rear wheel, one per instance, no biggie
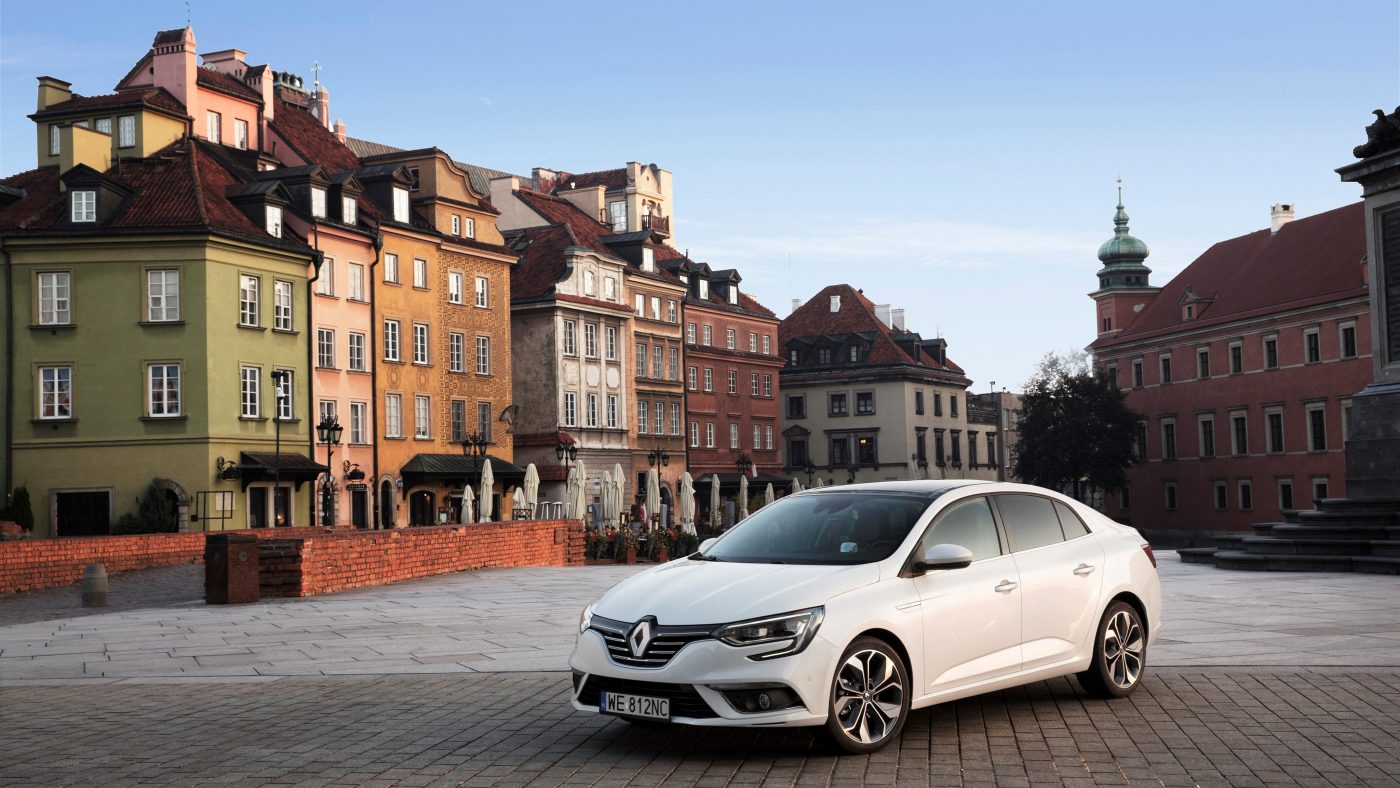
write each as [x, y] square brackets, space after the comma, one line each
[869, 698]
[1120, 654]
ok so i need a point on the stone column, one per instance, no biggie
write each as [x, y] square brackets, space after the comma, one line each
[1373, 445]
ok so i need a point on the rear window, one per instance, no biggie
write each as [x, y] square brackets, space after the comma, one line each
[1070, 522]
[1030, 521]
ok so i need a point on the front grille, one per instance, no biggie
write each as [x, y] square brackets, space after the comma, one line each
[666, 642]
[685, 701]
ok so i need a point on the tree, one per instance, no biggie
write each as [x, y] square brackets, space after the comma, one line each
[19, 511]
[154, 513]
[1077, 432]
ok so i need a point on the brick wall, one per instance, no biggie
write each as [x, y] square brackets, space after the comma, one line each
[323, 563]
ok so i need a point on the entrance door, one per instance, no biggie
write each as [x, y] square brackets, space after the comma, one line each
[83, 513]
[386, 504]
[422, 508]
[282, 501]
[359, 508]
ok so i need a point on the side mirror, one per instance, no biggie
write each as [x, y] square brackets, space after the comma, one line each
[944, 556]
[705, 545]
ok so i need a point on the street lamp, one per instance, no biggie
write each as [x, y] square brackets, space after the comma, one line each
[278, 377]
[566, 453]
[658, 458]
[744, 464]
[329, 431]
[809, 470]
[473, 445]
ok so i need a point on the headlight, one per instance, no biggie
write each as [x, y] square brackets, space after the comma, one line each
[586, 617]
[797, 627]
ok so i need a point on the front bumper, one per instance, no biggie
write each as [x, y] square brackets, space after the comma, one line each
[689, 680]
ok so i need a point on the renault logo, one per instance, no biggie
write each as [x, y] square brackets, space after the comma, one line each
[640, 637]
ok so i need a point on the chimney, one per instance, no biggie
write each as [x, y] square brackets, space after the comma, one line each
[543, 179]
[897, 319]
[53, 91]
[227, 61]
[882, 312]
[174, 62]
[1279, 215]
[796, 304]
[321, 105]
[340, 130]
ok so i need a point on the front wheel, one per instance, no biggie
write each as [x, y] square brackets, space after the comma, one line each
[869, 697]
[1120, 654]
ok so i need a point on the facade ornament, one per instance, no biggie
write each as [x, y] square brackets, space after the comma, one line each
[1382, 136]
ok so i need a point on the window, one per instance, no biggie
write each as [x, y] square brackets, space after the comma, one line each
[1169, 489]
[971, 449]
[422, 417]
[420, 343]
[483, 355]
[347, 210]
[325, 412]
[968, 524]
[54, 133]
[1112, 373]
[1205, 427]
[865, 403]
[570, 409]
[358, 434]
[590, 413]
[84, 205]
[1312, 342]
[214, 125]
[391, 340]
[836, 405]
[420, 273]
[1246, 494]
[1237, 358]
[690, 333]
[953, 400]
[694, 434]
[610, 347]
[455, 353]
[1285, 494]
[767, 345]
[400, 205]
[483, 292]
[641, 305]
[1239, 434]
[709, 434]
[937, 404]
[656, 361]
[617, 213]
[641, 360]
[126, 131]
[866, 453]
[391, 267]
[1203, 363]
[247, 300]
[240, 134]
[55, 392]
[483, 420]
[768, 385]
[55, 298]
[456, 224]
[729, 338]
[708, 336]
[675, 418]
[655, 308]
[1317, 426]
[588, 283]
[570, 338]
[767, 436]
[454, 287]
[612, 411]
[318, 202]
[1348, 340]
[250, 387]
[1137, 373]
[673, 363]
[839, 451]
[457, 418]
[855, 353]
[757, 437]
[690, 378]
[709, 380]
[642, 414]
[660, 425]
[1140, 442]
[590, 340]
[1319, 484]
[1030, 521]
[705, 290]
[1274, 419]
[938, 455]
[609, 288]
[469, 227]
[918, 403]
[104, 125]
[753, 342]
[1222, 496]
[753, 385]
[357, 352]
[284, 391]
[733, 382]
[325, 348]
[671, 311]
[796, 406]
[393, 415]
[274, 221]
[282, 305]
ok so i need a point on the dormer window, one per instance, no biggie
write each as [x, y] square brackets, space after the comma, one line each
[835, 303]
[468, 227]
[413, 180]
[704, 290]
[733, 294]
[685, 279]
[648, 259]
[318, 202]
[347, 210]
[401, 204]
[215, 127]
[1188, 312]
[274, 221]
[84, 205]
[456, 224]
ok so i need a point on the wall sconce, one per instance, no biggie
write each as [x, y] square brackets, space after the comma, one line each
[226, 470]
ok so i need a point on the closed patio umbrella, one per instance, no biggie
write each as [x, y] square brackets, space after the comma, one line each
[569, 486]
[488, 480]
[532, 488]
[518, 499]
[714, 501]
[605, 497]
[578, 501]
[620, 490]
[768, 494]
[796, 485]
[687, 504]
[653, 495]
[743, 496]
[467, 497]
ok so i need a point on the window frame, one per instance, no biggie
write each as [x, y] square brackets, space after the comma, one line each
[66, 312]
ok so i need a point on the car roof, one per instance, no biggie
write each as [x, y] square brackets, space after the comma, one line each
[937, 486]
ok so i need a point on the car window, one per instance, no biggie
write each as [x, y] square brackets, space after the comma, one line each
[967, 523]
[1030, 521]
[1070, 522]
[837, 527]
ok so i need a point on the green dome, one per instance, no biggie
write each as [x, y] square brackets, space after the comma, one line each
[1122, 248]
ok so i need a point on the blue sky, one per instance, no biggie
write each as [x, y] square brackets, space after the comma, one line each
[957, 160]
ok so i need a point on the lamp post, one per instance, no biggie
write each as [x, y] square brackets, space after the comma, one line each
[278, 377]
[329, 431]
[658, 458]
[473, 445]
[744, 464]
[809, 470]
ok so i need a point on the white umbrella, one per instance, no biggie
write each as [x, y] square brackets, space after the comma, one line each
[518, 499]
[577, 502]
[653, 495]
[619, 489]
[819, 483]
[569, 486]
[488, 480]
[532, 488]
[743, 496]
[796, 485]
[605, 497]
[768, 494]
[714, 501]
[467, 497]
[687, 504]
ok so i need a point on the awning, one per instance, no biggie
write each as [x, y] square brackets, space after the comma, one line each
[455, 469]
[257, 466]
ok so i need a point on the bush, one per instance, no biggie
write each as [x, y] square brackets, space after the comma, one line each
[19, 511]
[153, 514]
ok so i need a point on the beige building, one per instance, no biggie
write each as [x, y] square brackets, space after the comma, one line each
[627, 199]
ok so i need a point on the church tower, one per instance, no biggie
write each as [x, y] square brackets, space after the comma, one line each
[1124, 287]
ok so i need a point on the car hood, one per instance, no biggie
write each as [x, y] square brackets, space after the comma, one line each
[718, 592]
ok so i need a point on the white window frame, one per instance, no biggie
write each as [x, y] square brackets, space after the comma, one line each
[284, 396]
[729, 338]
[570, 409]
[610, 347]
[642, 415]
[695, 434]
[768, 436]
[690, 333]
[355, 351]
[325, 348]
[318, 202]
[1236, 450]
[248, 297]
[250, 392]
[355, 288]
[393, 415]
[55, 137]
[569, 338]
[675, 418]
[483, 292]
[392, 335]
[660, 421]
[468, 227]
[56, 288]
[400, 213]
[420, 344]
[325, 283]
[162, 295]
[126, 131]
[733, 435]
[767, 345]
[420, 273]
[1240, 486]
[273, 214]
[348, 210]
[709, 380]
[590, 410]
[1314, 334]
[358, 434]
[456, 224]
[391, 267]
[483, 355]
[282, 305]
[708, 333]
[214, 127]
[84, 204]
[612, 411]
[692, 373]
[55, 396]
[104, 125]
[240, 133]
[709, 434]
[456, 352]
[454, 287]
[590, 340]
[1201, 421]
[422, 417]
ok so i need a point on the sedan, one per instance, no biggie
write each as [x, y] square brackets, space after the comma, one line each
[847, 607]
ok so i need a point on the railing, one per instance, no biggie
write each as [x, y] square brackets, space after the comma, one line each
[657, 223]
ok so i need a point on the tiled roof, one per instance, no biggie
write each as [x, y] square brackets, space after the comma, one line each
[311, 140]
[226, 83]
[608, 179]
[170, 36]
[1312, 260]
[856, 315]
[156, 98]
[541, 265]
[366, 148]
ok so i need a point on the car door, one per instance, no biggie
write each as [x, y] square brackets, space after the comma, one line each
[971, 616]
[1060, 577]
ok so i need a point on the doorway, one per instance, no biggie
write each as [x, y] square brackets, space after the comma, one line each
[386, 504]
[359, 508]
[85, 513]
[422, 508]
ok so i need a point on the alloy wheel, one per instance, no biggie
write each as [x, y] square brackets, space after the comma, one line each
[869, 696]
[1123, 649]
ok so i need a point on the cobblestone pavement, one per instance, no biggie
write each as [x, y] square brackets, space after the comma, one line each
[1233, 728]
[160, 587]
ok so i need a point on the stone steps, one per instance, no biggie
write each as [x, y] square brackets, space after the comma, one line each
[1328, 531]
[1357, 518]
[1376, 505]
[1197, 555]
[1235, 559]
[1269, 545]
[1376, 564]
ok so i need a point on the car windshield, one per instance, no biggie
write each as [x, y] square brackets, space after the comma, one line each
[856, 527]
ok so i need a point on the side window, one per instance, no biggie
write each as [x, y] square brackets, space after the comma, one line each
[1030, 521]
[1070, 522]
[967, 524]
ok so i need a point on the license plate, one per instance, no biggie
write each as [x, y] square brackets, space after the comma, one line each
[635, 706]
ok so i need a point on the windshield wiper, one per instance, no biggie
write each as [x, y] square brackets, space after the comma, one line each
[698, 556]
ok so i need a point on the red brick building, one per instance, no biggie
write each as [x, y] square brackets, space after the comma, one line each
[1243, 367]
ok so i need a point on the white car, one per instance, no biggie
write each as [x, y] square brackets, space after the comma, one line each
[846, 607]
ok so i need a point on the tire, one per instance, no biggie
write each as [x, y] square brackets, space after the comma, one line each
[1120, 654]
[859, 720]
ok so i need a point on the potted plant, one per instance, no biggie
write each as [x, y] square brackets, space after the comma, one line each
[627, 545]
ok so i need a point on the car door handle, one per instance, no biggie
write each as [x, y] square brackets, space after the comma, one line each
[1006, 587]
[1084, 570]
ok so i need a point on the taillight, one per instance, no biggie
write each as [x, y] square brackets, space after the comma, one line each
[1147, 548]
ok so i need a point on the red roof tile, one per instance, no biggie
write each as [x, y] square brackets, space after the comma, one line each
[311, 140]
[856, 315]
[608, 179]
[541, 263]
[157, 98]
[1317, 259]
[226, 83]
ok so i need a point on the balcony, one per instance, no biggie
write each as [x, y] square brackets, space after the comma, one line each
[661, 225]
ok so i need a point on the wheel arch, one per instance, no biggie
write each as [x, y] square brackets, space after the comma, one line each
[1137, 604]
[893, 641]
